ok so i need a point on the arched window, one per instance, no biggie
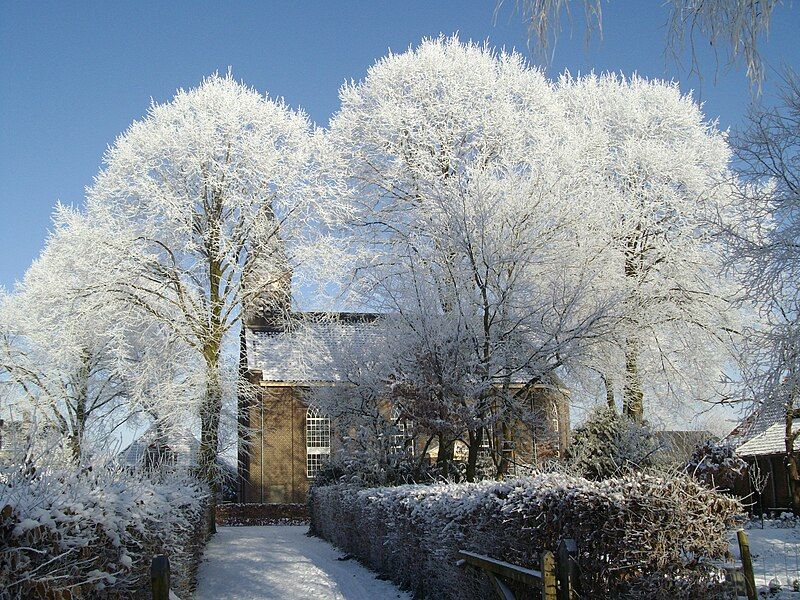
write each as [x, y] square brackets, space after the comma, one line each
[318, 440]
[404, 433]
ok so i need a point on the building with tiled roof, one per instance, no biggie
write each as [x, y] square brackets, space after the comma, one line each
[771, 441]
[285, 441]
[304, 349]
[760, 440]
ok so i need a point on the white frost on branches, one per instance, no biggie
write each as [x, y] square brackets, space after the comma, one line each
[208, 200]
[660, 177]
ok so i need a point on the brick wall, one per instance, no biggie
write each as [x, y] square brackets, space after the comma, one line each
[277, 461]
[274, 472]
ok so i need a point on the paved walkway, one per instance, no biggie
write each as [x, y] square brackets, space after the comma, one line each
[282, 562]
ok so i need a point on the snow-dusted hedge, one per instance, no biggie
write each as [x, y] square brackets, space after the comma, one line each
[91, 534]
[638, 536]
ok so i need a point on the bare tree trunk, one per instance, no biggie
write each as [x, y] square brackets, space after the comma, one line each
[632, 395]
[422, 457]
[245, 402]
[609, 384]
[75, 446]
[792, 469]
[504, 451]
[209, 436]
[212, 403]
[444, 458]
[80, 415]
[475, 441]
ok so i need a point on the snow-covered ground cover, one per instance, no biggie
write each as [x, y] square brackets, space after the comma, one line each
[775, 550]
[283, 562]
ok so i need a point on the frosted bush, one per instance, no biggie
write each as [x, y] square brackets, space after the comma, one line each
[67, 533]
[365, 469]
[716, 464]
[609, 444]
[637, 536]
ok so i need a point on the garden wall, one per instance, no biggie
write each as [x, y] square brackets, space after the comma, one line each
[638, 536]
[262, 514]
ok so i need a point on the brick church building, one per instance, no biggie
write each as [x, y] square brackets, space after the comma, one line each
[288, 440]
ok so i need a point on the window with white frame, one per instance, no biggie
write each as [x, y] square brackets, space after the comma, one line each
[404, 431]
[318, 440]
[486, 440]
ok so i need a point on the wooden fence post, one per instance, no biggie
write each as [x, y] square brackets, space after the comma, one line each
[548, 576]
[159, 577]
[567, 570]
[747, 565]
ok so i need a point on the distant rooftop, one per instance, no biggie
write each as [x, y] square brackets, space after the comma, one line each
[311, 347]
[678, 446]
[183, 444]
[307, 349]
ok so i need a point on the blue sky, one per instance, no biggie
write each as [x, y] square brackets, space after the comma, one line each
[76, 74]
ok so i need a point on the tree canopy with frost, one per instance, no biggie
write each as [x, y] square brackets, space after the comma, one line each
[81, 361]
[461, 172]
[60, 346]
[765, 252]
[207, 197]
[660, 173]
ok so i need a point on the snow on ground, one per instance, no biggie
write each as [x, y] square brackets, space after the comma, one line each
[282, 562]
[776, 555]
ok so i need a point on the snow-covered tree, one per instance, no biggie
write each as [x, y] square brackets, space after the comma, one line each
[766, 252]
[462, 172]
[607, 445]
[163, 377]
[60, 346]
[716, 464]
[660, 173]
[207, 199]
[79, 358]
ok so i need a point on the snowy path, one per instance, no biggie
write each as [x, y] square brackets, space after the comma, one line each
[281, 562]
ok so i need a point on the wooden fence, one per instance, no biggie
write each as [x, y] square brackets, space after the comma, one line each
[557, 578]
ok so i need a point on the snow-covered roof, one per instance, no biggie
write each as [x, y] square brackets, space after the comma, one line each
[311, 347]
[770, 441]
[307, 350]
[769, 413]
[184, 445]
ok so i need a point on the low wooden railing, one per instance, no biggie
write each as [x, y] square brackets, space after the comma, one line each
[556, 579]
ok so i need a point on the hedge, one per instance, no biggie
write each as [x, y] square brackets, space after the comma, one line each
[637, 536]
[91, 533]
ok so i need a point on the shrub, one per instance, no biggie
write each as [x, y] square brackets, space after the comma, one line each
[364, 469]
[67, 533]
[716, 465]
[609, 444]
[637, 536]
